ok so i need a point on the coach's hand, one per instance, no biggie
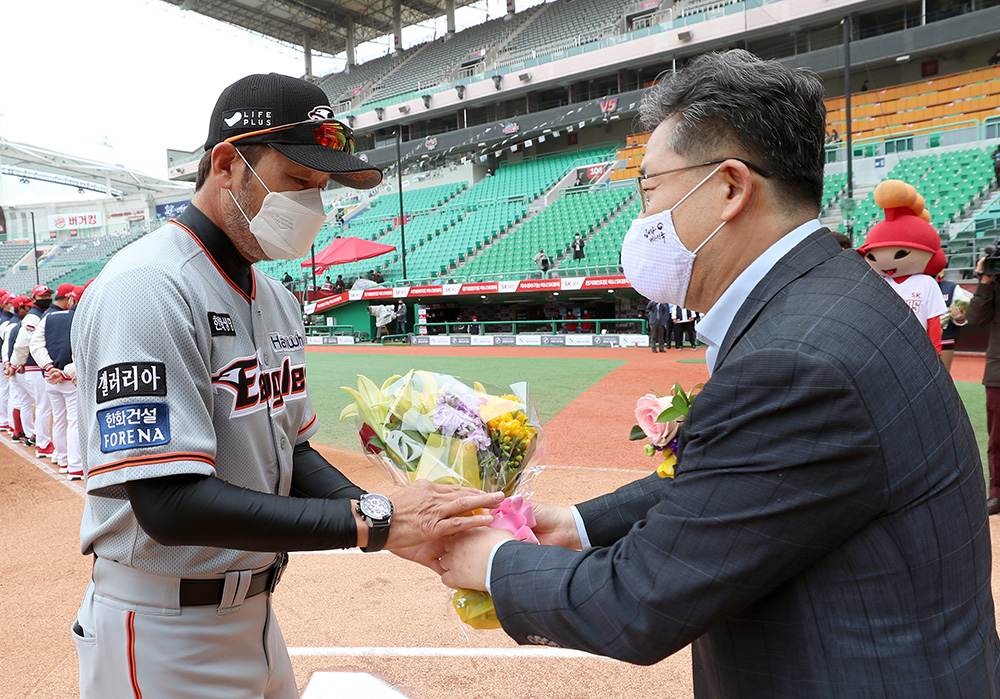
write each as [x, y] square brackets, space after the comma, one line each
[424, 511]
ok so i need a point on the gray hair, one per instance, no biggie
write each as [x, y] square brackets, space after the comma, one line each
[773, 113]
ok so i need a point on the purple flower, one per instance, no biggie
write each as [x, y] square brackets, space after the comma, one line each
[458, 416]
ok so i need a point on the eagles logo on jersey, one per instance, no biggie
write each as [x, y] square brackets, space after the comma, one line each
[255, 389]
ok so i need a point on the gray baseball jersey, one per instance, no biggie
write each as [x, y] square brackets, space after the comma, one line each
[181, 372]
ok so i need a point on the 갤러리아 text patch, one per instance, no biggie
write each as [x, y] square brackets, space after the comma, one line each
[134, 426]
[130, 379]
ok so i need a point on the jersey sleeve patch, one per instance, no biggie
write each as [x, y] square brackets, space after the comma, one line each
[134, 426]
[130, 379]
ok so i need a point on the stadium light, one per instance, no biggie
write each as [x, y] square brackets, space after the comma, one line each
[380, 113]
[404, 109]
[460, 89]
[684, 35]
[427, 101]
[902, 59]
[497, 81]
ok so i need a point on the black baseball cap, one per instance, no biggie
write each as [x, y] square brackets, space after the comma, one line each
[293, 117]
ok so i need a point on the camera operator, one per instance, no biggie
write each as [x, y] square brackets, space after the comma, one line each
[982, 311]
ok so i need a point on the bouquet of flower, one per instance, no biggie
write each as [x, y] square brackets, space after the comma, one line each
[958, 308]
[660, 419]
[450, 430]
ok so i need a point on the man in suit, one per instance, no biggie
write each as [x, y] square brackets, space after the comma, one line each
[822, 537]
[658, 317]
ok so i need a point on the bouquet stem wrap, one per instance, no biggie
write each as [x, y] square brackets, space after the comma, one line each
[451, 430]
[475, 607]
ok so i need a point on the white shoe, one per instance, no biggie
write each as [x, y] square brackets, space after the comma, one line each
[63, 469]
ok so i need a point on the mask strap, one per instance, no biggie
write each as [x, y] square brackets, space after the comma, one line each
[695, 252]
[719, 167]
[233, 197]
[262, 181]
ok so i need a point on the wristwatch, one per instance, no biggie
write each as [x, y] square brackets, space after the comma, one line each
[376, 511]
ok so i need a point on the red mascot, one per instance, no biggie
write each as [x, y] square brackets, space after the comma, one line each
[906, 250]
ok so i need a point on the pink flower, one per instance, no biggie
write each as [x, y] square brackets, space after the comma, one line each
[647, 409]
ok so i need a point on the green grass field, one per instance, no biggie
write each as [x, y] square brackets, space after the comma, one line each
[974, 397]
[555, 381]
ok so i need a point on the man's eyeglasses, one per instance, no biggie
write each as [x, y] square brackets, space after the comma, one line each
[642, 192]
[331, 134]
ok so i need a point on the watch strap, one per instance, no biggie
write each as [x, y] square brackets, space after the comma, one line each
[378, 534]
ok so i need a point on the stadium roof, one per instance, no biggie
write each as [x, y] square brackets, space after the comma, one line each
[325, 22]
[34, 163]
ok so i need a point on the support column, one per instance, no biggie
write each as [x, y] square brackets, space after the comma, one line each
[397, 26]
[449, 11]
[308, 51]
[352, 41]
[511, 7]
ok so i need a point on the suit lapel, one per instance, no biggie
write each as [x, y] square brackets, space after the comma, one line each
[819, 247]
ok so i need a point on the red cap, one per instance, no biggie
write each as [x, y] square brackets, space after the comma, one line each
[4, 296]
[76, 294]
[20, 301]
[63, 290]
[40, 290]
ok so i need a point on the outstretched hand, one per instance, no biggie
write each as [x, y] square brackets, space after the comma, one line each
[555, 526]
[425, 511]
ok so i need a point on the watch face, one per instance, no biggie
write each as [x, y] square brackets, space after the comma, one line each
[376, 506]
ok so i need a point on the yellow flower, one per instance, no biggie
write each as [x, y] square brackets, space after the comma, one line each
[666, 469]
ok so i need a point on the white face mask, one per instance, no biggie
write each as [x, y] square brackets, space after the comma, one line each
[288, 222]
[655, 260]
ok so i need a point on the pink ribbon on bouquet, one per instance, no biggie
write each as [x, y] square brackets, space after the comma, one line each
[516, 516]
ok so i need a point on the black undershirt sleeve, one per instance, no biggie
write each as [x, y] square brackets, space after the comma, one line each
[194, 510]
[314, 477]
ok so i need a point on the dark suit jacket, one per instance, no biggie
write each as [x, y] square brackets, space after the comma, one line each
[826, 534]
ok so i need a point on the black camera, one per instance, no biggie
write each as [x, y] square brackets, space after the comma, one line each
[991, 263]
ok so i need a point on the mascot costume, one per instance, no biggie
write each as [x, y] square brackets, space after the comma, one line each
[906, 250]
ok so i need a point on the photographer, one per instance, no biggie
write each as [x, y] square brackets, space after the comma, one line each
[982, 311]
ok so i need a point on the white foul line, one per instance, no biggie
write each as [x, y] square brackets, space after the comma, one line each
[430, 652]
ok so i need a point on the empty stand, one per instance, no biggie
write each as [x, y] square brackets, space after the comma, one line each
[562, 24]
[936, 103]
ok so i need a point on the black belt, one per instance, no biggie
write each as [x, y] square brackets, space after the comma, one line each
[196, 593]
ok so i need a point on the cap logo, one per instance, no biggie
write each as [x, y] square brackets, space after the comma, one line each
[321, 113]
[247, 118]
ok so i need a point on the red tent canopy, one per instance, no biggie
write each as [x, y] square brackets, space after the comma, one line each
[349, 249]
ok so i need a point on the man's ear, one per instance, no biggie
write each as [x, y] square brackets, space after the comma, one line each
[225, 165]
[740, 187]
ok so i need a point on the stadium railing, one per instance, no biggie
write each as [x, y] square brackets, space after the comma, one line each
[553, 325]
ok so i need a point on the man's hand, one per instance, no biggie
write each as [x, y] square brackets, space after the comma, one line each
[468, 555]
[8, 369]
[424, 511]
[428, 554]
[983, 278]
[53, 375]
[555, 526]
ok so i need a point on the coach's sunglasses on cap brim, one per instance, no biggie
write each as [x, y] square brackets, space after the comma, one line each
[331, 134]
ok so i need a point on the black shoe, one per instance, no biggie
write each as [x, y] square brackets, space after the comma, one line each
[28, 441]
[993, 506]
[17, 438]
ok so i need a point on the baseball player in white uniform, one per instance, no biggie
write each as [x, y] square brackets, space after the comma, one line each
[195, 419]
[28, 377]
[5, 322]
[50, 348]
[20, 404]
